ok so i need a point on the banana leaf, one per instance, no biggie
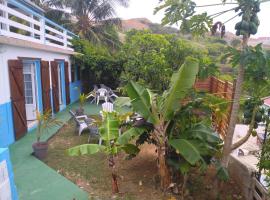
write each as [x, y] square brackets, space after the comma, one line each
[129, 134]
[141, 101]
[181, 83]
[85, 149]
[109, 129]
[187, 149]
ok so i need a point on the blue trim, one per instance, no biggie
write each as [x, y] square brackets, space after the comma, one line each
[4, 155]
[62, 68]
[75, 91]
[25, 8]
[6, 125]
[39, 87]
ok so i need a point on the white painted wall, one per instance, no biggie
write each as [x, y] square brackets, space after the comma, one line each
[8, 52]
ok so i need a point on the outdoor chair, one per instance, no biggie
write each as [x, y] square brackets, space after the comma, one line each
[102, 94]
[93, 130]
[110, 92]
[107, 107]
[80, 121]
[93, 94]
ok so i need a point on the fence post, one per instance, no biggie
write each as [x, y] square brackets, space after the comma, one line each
[211, 84]
[225, 89]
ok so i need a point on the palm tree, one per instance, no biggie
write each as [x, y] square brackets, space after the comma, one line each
[90, 19]
[94, 19]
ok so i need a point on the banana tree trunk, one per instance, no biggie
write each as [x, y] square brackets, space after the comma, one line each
[234, 113]
[115, 188]
[164, 172]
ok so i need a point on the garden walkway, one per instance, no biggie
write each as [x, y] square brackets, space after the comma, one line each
[34, 179]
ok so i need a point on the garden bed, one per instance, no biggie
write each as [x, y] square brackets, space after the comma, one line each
[137, 176]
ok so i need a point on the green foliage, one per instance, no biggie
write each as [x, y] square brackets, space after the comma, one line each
[82, 100]
[200, 24]
[104, 66]
[144, 60]
[190, 141]
[256, 63]
[250, 22]
[109, 132]
[183, 11]
[45, 123]
[183, 79]
[151, 59]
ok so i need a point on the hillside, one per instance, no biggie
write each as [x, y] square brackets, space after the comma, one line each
[146, 24]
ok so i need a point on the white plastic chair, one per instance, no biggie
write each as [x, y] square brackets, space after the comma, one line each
[81, 124]
[107, 107]
[102, 94]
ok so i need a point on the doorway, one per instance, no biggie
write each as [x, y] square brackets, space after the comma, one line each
[29, 75]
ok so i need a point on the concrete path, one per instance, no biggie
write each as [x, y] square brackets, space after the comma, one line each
[34, 179]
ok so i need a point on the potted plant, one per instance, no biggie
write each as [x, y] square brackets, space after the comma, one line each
[82, 100]
[45, 122]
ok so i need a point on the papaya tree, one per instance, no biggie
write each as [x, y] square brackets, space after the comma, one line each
[248, 11]
[109, 132]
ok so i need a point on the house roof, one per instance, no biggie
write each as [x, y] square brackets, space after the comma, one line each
[267, 101]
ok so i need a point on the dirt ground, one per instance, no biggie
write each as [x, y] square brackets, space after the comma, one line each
[137, 177]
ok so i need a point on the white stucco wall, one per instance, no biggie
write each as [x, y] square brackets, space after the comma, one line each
[8, 52]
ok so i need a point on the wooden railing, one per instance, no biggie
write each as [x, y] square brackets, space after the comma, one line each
[222, 89]
[21, 22]
[259, 192]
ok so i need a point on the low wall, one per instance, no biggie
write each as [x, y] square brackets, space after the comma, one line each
[242, 175]
[6, 125]
[7, 186]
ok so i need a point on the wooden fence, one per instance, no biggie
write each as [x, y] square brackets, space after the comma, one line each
[259, 192]
[222, 89]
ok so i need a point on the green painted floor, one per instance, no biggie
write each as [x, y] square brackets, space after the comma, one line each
[34, 179]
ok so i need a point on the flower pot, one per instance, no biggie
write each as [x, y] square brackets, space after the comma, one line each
[40, 149]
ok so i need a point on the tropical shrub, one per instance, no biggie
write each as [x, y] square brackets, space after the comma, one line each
[151, 59]
[99, 64]
[182, 136]
[145, 61]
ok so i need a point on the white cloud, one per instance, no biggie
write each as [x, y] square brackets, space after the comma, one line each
[145, 9]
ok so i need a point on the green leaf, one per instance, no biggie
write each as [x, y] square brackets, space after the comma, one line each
[204, 133]
[222, 173]
[131, 149]
[185, 167]
[109, 129]
[122, 101]
[186, 149]
[141, 101]
[129, 134]
[181, 83]
[85, 149]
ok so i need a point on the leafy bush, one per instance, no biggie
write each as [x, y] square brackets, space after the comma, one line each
[100, 65]
[151, 59]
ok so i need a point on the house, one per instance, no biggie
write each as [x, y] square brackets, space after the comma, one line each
[266, 104]
[36, 74]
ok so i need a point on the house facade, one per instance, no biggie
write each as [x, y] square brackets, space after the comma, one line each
[36, 71]
[36, 75]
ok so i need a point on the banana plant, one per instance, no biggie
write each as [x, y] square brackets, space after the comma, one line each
[113, 142]
[160, 110]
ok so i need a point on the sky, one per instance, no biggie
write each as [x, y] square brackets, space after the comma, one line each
[145, 8]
